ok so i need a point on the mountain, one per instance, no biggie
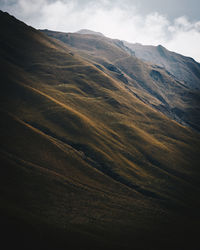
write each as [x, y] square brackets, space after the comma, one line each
[86, 164]
[151, 83]
[184, 68]
[89, 32]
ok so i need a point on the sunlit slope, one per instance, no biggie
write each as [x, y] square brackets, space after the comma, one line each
[81, 154]
[162, 88]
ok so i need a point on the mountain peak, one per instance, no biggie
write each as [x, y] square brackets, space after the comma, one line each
[89, 32]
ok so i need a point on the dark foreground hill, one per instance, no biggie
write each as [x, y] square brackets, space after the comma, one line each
[85, 164]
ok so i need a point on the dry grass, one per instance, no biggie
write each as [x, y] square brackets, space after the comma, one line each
[83, 157]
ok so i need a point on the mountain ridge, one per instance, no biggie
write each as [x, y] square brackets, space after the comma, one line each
[152, 83]
[158, 54]
[89, 32]
[173, 62]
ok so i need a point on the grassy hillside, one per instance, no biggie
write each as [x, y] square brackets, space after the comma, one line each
[172, 89]
[84, 163]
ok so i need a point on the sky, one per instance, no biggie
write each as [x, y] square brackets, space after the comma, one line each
[174, 24]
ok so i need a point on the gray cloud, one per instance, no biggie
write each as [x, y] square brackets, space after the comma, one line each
[134, 21]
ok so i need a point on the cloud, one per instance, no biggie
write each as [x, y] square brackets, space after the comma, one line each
[185, 37]
[115, 19]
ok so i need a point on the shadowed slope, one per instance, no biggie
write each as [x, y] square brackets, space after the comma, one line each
[82, 157]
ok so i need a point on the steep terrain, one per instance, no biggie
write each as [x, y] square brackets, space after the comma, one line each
[84, 162]
[184, 68]
[152, 84]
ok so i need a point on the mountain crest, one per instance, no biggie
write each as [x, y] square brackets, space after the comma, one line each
[89, 32]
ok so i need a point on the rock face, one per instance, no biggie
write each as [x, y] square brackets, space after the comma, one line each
[86, 162]
[170, 83]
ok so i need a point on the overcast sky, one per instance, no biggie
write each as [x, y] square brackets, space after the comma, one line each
[173, 23]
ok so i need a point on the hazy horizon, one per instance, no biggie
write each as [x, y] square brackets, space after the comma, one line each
[173, 24]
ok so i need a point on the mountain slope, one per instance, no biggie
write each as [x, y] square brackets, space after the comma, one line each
[83, 158]
[184, 68]
[150, 83]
